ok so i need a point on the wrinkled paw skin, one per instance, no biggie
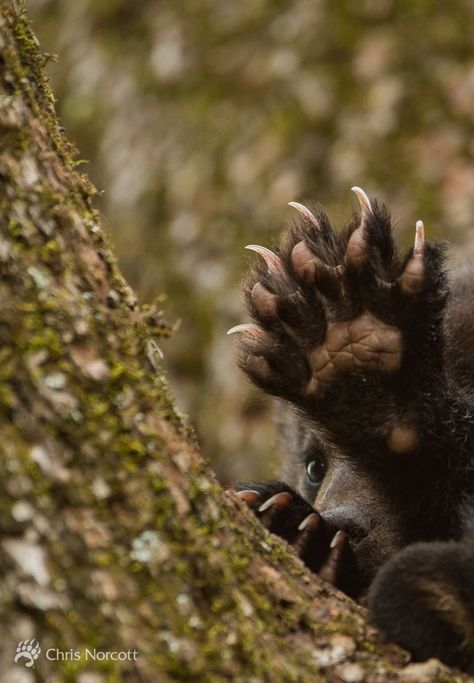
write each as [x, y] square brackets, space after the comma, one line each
[331, 305]
[321, 546]
[423, 599]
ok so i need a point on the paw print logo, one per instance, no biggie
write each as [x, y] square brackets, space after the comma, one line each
[28, 650]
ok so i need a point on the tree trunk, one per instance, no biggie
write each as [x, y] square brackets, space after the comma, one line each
[120, 554]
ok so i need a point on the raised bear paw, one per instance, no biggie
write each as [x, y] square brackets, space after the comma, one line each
[342, 324]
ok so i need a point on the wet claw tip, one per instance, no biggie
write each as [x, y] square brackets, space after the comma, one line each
[304, 211]
[363, 199]
[419, 237]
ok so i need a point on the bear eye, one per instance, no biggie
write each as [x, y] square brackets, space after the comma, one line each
[315, 470]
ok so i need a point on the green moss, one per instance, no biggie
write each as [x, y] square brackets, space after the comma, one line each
[100, 461]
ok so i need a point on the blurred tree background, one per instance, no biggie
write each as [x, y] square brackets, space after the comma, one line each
[201, 119]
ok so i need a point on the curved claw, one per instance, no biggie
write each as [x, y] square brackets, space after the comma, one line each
[329, 570]
[270, 258]
[249, 496]
[304, 211]
[364, 201]
[419, 237]
[338, 539]
[249, 328]
[282, 499]
[356, 252]
[311, 521]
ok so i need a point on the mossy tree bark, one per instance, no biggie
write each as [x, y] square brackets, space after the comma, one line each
[115, 535]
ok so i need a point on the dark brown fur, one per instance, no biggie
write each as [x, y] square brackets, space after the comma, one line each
[372, 355]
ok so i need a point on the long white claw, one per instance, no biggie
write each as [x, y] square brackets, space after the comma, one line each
[419, 237]
[304, 211]
[364, 201]
[249, 328]
[270, 258]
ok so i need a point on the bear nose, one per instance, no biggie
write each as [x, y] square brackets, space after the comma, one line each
[351, 519]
